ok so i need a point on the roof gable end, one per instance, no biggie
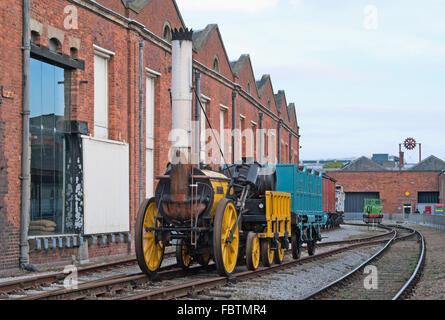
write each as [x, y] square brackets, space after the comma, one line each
[363, 164]
[432, 163]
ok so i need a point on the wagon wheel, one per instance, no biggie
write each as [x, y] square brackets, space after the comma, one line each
[183, 257]
[225, 246]
[311, 245]
[267, 255]
[252, 251]
[149, 250]
[204, 259]
[279, 254]
[296, 245]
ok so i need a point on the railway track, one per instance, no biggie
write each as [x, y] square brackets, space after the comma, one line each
[398, 265]
[35, 282]
[166, 286]
[38, 282]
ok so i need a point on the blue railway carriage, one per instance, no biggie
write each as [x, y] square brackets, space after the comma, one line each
[307, 216]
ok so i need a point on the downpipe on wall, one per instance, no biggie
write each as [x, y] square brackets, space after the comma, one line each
[25, 174]
[141, 120]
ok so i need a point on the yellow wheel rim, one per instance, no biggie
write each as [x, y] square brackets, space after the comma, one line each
[186, 259]
[229, 249]
[256, 252]
[153, 251]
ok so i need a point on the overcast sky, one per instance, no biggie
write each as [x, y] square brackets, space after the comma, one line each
[364, 75]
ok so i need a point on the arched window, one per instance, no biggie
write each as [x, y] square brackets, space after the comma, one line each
[216, 64]
[167, 32]
[35, 37]
[55, 45]
[268, 103]
[74, 52]
[248, 87]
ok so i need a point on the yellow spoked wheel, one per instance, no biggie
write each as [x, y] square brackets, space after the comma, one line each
[267, 255]
[225, 245]
[279, 255]
[183, 255]
[204, 259]
[252, 251]
[149, 251]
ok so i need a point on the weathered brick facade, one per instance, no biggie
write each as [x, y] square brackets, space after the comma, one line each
[112, 26]
[392, 185]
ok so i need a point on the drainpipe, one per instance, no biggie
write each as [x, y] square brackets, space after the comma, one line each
[261, 138]
[279, 141]
[290, 147]
[234, 121]
[141, 120]
[25, 175]
[198, 119]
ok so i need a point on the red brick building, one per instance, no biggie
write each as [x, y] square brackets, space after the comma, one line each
[89, 161]
[400, 191]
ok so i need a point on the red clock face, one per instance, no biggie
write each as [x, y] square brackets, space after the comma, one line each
[410, 143]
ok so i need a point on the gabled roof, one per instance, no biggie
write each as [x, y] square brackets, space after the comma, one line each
[200, 37]
[363, 164]
[292, 114]
[261, 84]
[279, 99]
[138, 5]
[238, 65]
[431, 163]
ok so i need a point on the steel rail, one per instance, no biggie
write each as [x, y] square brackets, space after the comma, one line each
[8, 287]
[417, 270]
[184, 289]
[396, 237]
[167, 272]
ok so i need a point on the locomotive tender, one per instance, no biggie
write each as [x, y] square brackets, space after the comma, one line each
[246, 212]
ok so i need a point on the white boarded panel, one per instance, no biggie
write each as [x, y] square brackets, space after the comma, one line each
[106, 186]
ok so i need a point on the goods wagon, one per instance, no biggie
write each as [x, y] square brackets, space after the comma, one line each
[329, 201]
[306, 189]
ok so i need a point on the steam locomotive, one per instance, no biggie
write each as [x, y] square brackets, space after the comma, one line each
[244, 212]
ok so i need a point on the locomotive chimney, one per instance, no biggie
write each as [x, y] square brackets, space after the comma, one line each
[182, 95]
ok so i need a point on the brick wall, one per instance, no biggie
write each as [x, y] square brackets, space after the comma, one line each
[392, 186]
[10, 132]
[112, 32]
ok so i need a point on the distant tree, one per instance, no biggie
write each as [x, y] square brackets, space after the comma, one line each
[333, 165]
